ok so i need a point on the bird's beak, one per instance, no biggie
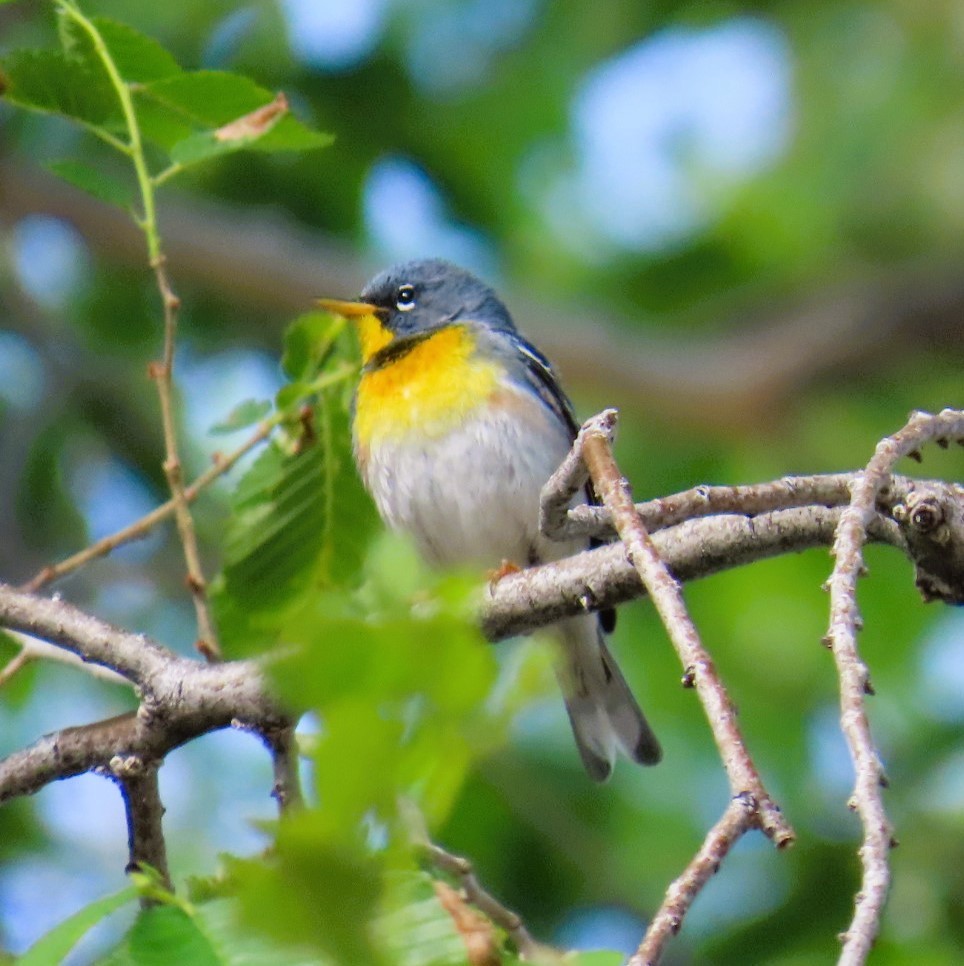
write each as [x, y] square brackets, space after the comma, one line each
[349, 310]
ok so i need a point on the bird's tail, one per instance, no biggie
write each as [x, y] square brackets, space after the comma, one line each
[602, 710]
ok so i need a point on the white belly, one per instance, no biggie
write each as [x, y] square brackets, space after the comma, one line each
[472, 496]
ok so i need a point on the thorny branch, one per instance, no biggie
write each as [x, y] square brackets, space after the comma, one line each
[696, 533]
[855, 684]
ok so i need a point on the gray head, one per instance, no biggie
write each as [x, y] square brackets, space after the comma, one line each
[429, 293]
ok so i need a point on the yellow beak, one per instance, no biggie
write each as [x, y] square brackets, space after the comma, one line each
[349, 310]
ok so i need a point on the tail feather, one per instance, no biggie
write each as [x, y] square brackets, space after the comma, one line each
[602, 710]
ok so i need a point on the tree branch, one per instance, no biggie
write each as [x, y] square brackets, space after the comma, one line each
[845, 621]
[140, 528]
[739, 817]
[751, 805]
[163, 374]
[181, 699]
[521, 602]
[283, 745]
[138, 783]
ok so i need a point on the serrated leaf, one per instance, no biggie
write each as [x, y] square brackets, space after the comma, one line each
[278, 516]
[240, 947]
[197, 101]
[299, 523]
[56, 944]
[93, 181]
[416, 929]
[55, 83]
[244, 414]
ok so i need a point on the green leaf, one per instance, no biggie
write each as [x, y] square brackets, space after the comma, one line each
[55, 83]
[277, 519]
[244, 414]
[308, 343]
[599, 957]
[288, 134]
[299, 522]
[416, 929]
[236, 946]
[313, 879]
[93, 181]
[167, 934]
[56, 944]
[182, 113]
[138, 58]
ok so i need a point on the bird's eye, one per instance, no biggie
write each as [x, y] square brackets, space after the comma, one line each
[405, 300]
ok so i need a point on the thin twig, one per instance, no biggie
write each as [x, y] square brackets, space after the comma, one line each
[757, 809]
[855, 685]
[15, 665]
[33, 649]
[831, 489]
[138, 783]
[162, 374]
[700, 671]
[738, 819]
[475, 893]
[140, 528]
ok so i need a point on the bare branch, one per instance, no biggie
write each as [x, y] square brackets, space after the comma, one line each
[754, 807]
[931, 517]
[140, 528]
[740, 816]
[137, 780]
[134, 656]
[519, 603]
[475, 893]
[181, 698]
[283, 745]
[854, 677]
[163, 373]
[702, 501]
[33, 649]
[699, 670]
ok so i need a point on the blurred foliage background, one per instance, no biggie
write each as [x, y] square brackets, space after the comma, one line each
[741, 224]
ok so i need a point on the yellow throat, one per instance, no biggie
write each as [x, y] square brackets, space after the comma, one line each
[427, 390]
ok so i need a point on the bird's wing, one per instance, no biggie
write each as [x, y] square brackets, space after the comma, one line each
[541, 377]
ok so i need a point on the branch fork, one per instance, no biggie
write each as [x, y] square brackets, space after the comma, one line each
[751, 805]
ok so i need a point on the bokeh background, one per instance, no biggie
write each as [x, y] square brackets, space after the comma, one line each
[742, 224]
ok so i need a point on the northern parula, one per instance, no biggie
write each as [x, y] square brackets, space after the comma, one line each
[458, 423]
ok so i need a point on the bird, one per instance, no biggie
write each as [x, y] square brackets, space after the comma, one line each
[458, 422]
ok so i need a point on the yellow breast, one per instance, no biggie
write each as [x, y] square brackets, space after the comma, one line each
[428, 390]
